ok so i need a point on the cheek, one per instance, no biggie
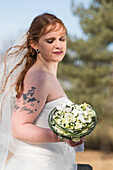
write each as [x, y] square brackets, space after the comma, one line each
[45, 51]
[46, 48]
[65, 46]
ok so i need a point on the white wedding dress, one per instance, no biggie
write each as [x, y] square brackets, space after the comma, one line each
[48, 156]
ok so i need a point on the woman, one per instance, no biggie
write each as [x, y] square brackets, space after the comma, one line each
[38, 91]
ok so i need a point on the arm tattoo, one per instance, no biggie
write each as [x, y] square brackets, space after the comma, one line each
[16, 107]
[26, 109]
[27, 98]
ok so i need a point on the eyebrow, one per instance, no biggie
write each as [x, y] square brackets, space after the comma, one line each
[54, 37]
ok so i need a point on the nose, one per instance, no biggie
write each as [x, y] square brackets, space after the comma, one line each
[58, 45]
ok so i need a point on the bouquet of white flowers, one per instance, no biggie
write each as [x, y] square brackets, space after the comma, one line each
[72, 121]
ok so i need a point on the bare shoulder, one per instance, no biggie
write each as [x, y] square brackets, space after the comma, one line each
[37, 77]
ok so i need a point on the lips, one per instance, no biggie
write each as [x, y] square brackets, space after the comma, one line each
[58, 52]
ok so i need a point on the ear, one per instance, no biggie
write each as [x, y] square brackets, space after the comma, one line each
[34, 46]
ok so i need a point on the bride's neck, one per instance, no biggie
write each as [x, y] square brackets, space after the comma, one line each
[50, 67]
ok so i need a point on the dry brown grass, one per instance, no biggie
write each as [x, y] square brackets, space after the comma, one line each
[98, 160]
[101, 138]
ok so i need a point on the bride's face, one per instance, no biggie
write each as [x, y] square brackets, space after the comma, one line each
[52, 46]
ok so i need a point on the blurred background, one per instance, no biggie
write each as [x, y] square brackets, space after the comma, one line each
[86, 73]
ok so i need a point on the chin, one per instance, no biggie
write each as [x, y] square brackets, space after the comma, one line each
[60, 58]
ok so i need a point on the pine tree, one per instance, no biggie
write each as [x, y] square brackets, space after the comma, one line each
[92, 75]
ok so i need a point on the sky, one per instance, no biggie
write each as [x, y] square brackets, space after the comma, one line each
[16, 16]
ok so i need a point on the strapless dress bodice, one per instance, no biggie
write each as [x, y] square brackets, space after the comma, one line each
[42, 119]
[58, 148]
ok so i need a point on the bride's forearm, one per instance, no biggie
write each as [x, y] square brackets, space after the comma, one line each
[33, 134]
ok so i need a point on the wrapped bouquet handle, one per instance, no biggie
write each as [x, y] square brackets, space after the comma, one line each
[72, 121]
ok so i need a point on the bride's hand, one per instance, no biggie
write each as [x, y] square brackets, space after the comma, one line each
[73, 144]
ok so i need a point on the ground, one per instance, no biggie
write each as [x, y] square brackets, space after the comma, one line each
[98, 160]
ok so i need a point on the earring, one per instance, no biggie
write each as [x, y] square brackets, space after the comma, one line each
[37, 50]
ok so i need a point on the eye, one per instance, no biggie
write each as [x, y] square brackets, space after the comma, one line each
[50, 41]
[62, 39]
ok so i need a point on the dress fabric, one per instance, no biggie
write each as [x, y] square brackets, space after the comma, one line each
[47, 156]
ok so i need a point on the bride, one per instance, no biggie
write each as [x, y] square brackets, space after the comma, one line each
[30, 90]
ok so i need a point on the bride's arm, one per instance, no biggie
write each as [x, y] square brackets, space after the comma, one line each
[28, 107]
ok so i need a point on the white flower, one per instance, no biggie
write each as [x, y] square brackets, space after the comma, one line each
[74, 119]
[75, 112]
[81, 118]
[77, 107]
[92, 113]
[78, 125]
[84, 105]
[69, 103]
[85, 114]
[66, 121]
[89, 120]
[67, 109]
[80, 112]
[58, 121]
[69, 116]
